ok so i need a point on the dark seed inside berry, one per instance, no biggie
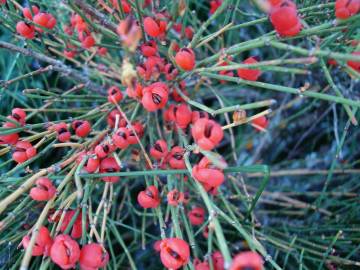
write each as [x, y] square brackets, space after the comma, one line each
[156, 98]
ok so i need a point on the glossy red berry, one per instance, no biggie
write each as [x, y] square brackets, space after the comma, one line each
[92, 162]
[196, 115]
[124, 4]
[176, 158]
[43, 191]
[104, 149]
[155, 27]
[63, 134]
[138, 130]
[156, 245]
[27, 13]
[111, 119]
[260, 123]
[65, 252]
[285, 19]
[247, 260]
[159, 150]
[43, 242]
[149, 198]
[207, 133]
[18, 115]
[170, 72]
[214, 5]
[114, 94]
[25, 30]
[82, 127]
[135, 91]
[355, 65]
[45, 20]
[120, 138]
[88, 42]
[346, 8]
[109, 165]
[174, 253]
[155, 96]
[9, 138]
[175, 197]
[196, 216]
[149, 48]
[92, 257]
[180, 114]
[208, 174]
[249, 74]
[23, 151]
[76, 230]
[185, 59]
[218, 260]
[199, 265]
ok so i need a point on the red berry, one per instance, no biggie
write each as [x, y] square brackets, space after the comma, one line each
[149, 198]
[43, 242]
[92, 163]
[196, 115]
[149, 48]
[18, 115]
[196, 216]
[139, 130]
[247, 260]
[125, 5]
[45, 20]
[206, 173]
[109, 165]
[185, 59]
[201, 265]
[82, 127]
[25, 30]
[156, 245]
[207, 133]
[76, 231]
[183, 115]
[355, 64]
[214, 5]
[260, 123]
[102, 51]
[9, 138]
[65, 252]
[155, 27]
[285, 19]
[104, 149]
[114, 95]
[120, 138]
[249, 74]
[43, 191]
[346, 8]
[155, 96]
[27, 12]
[135, 91]
[23, 151]
[176, 158]
[88, 42]
[159, 150]
[174, 253]
[170, 72]
[93, 256]
[218, 260]
[175, 197]
[63, 134]
[111, 119]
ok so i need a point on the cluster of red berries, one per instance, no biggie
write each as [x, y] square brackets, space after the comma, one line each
[65, 251]
[43, 19]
